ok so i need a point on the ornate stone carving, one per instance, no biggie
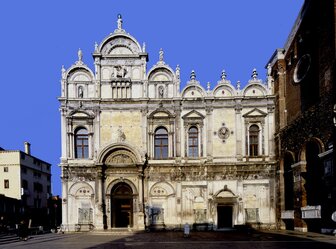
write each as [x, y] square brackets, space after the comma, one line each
[120, 157]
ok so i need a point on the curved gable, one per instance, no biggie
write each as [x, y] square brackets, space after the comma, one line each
[254, 90]
[193, 91]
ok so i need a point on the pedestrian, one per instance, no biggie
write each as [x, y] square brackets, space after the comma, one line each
[23, 230]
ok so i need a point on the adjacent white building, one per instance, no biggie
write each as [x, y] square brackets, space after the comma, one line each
[25, 177]
[138, 151]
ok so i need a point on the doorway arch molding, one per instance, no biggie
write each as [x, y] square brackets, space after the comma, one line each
[122, 180]
[109, 149]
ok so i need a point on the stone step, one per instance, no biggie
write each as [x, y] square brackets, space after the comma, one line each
[8, 238]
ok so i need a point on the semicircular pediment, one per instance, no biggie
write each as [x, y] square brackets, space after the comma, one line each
[120, 44]
[161, 189]
[161, 74]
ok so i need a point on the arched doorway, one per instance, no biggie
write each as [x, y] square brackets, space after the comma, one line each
[314, 175]
[121, 206]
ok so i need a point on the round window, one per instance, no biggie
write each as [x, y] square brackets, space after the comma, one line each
[302, 68]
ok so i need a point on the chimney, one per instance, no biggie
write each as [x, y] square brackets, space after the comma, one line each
[27, 148]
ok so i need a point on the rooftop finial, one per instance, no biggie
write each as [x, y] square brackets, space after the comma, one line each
[208, 86]
[192, 75]
[144, 47]
[161, 54]
[223, 75]
[119, 22]
[254, 74]
[96, 47]
[178, 71]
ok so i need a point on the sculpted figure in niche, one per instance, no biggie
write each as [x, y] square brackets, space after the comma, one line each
[80, 92]
[161, 91]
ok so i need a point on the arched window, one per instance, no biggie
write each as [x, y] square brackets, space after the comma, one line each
[193, 142]
[161, 143]
[81, 143]
[254, 140]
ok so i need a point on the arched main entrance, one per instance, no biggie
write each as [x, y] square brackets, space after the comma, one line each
[121, 206]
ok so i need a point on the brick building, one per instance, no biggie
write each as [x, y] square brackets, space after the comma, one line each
[304, 75]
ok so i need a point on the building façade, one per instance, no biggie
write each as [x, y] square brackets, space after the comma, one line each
[138, 152]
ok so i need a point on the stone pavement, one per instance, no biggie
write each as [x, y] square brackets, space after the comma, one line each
[170, 239]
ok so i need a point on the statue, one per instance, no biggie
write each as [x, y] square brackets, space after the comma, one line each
[80, 55]
[63, 71]
[80, 92]
[121, 135]
[269, 69]
[161, 91]
[144, 47]
[119, 22]
[96, 47]
[178, 71]
[238, 85]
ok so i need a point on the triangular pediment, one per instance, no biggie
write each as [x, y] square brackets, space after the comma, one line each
[255, 113]
[193, 114]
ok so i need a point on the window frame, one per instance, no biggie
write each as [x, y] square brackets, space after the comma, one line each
[254, 142]
[81, 148]
[161, 142]
[6, 183]
[193, 148]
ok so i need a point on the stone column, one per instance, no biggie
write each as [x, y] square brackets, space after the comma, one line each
[178, 130]
[101, 222]
[209, 132]
[238, 132]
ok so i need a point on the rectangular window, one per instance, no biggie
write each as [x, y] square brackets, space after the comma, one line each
[24, 170]
[5, 169]
[24, 184]
[38, 187]
[6, 183]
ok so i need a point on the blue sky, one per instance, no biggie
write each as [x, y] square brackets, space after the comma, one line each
[38, 37]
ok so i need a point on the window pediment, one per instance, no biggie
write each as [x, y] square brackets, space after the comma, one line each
[193, 115]
[255, 113]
